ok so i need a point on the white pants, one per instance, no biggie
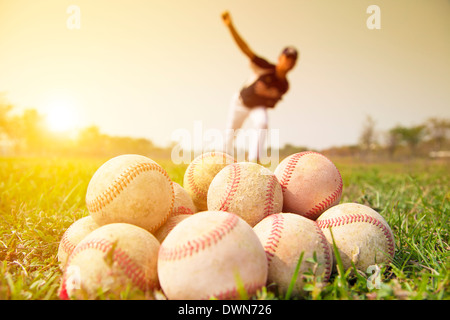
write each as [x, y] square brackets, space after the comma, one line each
[238, 113]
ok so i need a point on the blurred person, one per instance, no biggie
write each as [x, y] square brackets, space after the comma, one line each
[262, 91]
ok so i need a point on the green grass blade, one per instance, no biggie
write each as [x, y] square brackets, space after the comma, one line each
[294, 277]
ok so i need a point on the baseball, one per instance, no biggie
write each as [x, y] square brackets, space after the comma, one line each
[130, 189]
[311, 183]
[183, 207]
[111, 259]
[247, 189]
[164, 230]
[73, 235]
[284, 237]
[210, 254]
[361, 234]
[199, 174]
[183, 203]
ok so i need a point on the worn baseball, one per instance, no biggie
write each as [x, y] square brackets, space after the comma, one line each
[247, 189]
[211, 254]
[311, 183]
[76, 232]
[183, 207]
[285, 236]
[200, 173]
[361, 234]
[164, 230]
[112, 259]
[183, 203]
[130, 189]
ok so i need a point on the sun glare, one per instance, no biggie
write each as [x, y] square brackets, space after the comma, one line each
[61, 117]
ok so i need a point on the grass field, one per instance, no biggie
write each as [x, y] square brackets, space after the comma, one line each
[41, 197]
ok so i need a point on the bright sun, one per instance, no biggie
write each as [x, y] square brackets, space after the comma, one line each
[61, 116]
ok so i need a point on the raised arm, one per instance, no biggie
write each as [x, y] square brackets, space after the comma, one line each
[241, 43]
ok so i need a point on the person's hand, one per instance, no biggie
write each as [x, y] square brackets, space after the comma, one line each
[226, 18]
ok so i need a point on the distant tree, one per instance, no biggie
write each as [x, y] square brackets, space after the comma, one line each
[393, 139]
[438, 131]
[5, 116]
[91, 141]
[33, 131]
[367, 139]
[289, 149]
[411, 136]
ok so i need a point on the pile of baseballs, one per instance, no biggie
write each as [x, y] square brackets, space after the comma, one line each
[231, 229]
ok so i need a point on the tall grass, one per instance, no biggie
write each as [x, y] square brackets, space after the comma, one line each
[41, 197]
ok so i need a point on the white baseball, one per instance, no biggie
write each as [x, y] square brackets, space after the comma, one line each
[76, 232]
[183, 207]
[200, 173]
[165, 229]
[130, 189]
[183, 203]
[311, 183]
[247, 189]
[208, 254]
[284, 237]
[111, 259]
[361, 234]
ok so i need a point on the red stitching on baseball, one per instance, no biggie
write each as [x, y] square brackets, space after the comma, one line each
[190, 177]
[274, 237]
[232, 185]
[289, 169]
[324, 204]
[130, 268]
[170, 225]
[121, 183]
[195, 245]
[268, 203]
[66, 244]
[364, 218]
[190, 173]
[327, 251]
[327, 202]
[181, 210]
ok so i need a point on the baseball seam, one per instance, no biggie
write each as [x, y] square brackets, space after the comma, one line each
[66, 244]
[130, 268]
[324, 204]
[191, 179]
[327, 202]
[364, 218]
[193, 246]
[120, 183]
[326, 251]
[190, 172]
[268, 203]
[170, 224]
[181, 210]
[274, 237]
[289, 169]
[235, 178]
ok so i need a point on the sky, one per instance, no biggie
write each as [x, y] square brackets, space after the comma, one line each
[149, 68]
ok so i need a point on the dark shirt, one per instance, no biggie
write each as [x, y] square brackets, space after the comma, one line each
[267, 89]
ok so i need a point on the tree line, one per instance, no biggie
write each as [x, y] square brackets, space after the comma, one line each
[27, 134]
[428, 139]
